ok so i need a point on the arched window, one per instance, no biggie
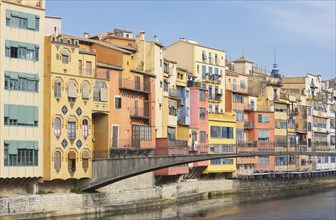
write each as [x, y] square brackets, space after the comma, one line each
[72, 128]
[85, 128]
[85, 160]
[57, 160]
[65, 56]
[72, 162]
[57, 126]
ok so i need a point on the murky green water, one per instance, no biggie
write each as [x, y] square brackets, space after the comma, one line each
[313, 203]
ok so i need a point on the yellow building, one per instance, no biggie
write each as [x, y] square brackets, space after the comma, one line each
[21, 100]
[208, 66]
[73, 96]
[222, 139]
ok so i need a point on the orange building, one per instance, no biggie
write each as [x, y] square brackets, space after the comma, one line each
[261, 138]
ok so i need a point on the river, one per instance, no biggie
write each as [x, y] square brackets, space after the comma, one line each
[313, 203]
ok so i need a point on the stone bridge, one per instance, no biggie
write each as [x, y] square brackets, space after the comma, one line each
[110, 170]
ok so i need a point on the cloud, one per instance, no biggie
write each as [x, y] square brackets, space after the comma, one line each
[309, 21]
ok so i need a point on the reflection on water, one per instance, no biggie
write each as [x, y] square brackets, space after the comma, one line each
[317, 203]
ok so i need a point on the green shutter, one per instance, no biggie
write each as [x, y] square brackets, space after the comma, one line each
[30, 116]
[13, 111]
[36, 114]
[259, 117]
[12, 148]
[6, 110]
[7, 44]
[8, 14]
[13, 44]
[22, 115]
[31, 22]
[36, 147]
[30, 46]
[37, 77]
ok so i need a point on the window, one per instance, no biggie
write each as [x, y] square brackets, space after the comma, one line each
[263, 135]
[165, 85]
[22, 20]
[203, 56]
[20, 153]
[117, 102]
[202, 95]
[72, 92]
[100, 92]
[21, 50]
[57, 126]
[72, 130]
[202, 113]
[57, 89]
[203, 72]
[242, 84]
[141, 132]
[215, 132]
[227, 132]
[89, 69]
[171, 132]
[72, 162]
[85, 128]
[202, 137]
[21, 115]
[85, 160]
[238, 98]
[57, 160]
[215, 162]
[21, 81]
[263, 118]
[263, 160]
[281, 161]
[85, 90]
[239, 115]
[227, 161]
[80, 67]
[309, 126]
[165, 68]
[216, 109]
[65, 56]
[239, 134]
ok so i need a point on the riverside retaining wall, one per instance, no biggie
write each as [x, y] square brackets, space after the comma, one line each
[122, 199]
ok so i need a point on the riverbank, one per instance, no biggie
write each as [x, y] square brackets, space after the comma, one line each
[124, 200]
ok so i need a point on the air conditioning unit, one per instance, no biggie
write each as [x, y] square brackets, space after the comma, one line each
[195, 146]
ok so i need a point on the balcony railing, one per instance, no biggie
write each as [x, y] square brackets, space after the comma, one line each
[248, 107]
[133, 85]
[237, 88]
[139, 112]
[248, 125]
[102, 74]
[175, 93]
[86, 71]
[302, 143]
[215, 97]
[177, 144]
[261, 145]
[213, 77]
[221, 116]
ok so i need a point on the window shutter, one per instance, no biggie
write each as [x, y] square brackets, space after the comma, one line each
[30, 115]
[13, 112]
[115, 134]
[13, 147]
[22, 111]
[36, 113]
[103, 94]
[6, 111]
[85, 90]
[259, 117]
[72, 93]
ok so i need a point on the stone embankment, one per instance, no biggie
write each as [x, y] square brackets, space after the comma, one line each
[122, 199]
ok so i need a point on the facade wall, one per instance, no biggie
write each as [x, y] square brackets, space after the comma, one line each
[19, 139]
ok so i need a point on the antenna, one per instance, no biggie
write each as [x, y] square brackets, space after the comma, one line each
[275, 55]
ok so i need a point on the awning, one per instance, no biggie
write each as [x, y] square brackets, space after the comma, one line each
[72, 155]
[86, 154]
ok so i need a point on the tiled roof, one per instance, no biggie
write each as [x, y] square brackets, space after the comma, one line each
[243, 59]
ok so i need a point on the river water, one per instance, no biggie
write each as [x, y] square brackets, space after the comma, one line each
[313, 203]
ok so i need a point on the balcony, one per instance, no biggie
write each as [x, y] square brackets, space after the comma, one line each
[134, 86]
[237, 88]
[248, 125]
[213, 78]
[86, 71]
[302, 143]
[222, 117]
[177, 144]
[248, 107]
[261, 145]
[175, 93]
[139, 113]
[102, 74]
[322, 146]
[217, 97]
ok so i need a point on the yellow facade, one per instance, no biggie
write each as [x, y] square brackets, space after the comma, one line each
[72, 95]
[21, 88]
[222, 120]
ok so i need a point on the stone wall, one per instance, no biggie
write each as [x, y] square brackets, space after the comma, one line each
[122, 199]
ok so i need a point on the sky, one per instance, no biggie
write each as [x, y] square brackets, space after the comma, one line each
[301, 32]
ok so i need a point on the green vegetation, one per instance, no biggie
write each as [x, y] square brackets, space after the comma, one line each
[42, 192]
[210, 195]
[77, 191]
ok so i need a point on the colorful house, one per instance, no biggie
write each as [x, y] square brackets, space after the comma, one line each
[21, 100]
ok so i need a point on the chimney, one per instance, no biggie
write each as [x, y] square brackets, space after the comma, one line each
[141, 35]
[86, 34]
[156, 39]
